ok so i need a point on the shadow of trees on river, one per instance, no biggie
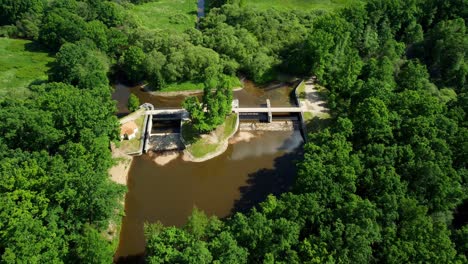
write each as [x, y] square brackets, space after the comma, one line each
[274, 181]
[137, 259]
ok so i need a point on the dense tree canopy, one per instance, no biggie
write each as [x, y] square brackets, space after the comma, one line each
[56, 195]
[382, 184]
[215, 106]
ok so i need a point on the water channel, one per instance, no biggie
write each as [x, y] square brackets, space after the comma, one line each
[255, 165]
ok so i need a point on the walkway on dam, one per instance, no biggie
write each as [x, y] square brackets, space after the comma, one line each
[267, 110]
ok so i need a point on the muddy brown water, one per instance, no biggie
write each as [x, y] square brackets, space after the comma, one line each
[280, 94]
[233, 182]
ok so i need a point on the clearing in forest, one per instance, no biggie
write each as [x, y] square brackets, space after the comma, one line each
[301, 4]
[21, 63]
[171, 15]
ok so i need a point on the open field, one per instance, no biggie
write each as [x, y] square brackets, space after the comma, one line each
[301, 4]
[172, 15]
[21, 63]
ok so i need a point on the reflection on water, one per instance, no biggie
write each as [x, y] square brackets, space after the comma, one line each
[251, 95]
[122, 92]
[235, 181]
[286, 145]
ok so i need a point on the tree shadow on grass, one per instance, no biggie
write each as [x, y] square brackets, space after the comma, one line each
[37, 82]
[35, 46]
[189, 133]
[317, 124]
[264, 182]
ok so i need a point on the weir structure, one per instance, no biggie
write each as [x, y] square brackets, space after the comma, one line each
[180, 114]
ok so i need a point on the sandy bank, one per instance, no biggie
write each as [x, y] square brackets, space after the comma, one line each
[242, 136]
[119, 172]
[163, 158]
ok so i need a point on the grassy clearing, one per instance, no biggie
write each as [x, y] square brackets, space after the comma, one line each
[172, 15]
[328, 5]
[134, 145]
[21, 63]
[202, 145]
[315, 123]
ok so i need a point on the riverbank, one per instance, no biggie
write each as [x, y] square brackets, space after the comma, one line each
[200, 148]
[119, 172]
[181, 93]
[313, 100]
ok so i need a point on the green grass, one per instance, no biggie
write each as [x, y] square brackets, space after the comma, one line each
[315, 123]
[301, 91]
[172, 15]
[184, 86]
[328, 5]
[308, 116]
[21, 63]
[199, 146]
[134, 145]
[229, 125]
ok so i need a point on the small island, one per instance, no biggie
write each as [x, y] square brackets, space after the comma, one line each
[202, 147]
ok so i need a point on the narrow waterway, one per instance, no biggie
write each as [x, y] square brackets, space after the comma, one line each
[201, 9]
[254, 165]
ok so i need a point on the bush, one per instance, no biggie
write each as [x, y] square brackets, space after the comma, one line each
[133, 103]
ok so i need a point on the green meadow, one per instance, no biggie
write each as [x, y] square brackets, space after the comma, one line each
[172, 15]
[21, 63]
[328, 5]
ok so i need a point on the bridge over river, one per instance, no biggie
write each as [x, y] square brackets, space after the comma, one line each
[180, 113]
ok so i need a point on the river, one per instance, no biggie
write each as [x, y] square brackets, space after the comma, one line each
[279, 93]
[254, 165]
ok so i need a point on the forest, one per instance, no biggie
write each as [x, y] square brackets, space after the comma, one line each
[386, 182]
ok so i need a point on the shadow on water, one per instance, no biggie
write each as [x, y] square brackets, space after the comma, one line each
[275, 181]
[137, 259]
[460, 217]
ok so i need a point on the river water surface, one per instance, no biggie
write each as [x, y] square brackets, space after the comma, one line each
[250, 169]
[280, 94]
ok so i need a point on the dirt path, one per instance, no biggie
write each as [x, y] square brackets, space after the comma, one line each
[313, 102]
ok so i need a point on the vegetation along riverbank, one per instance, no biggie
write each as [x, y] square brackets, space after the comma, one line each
[382, 178]
[200, 148]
